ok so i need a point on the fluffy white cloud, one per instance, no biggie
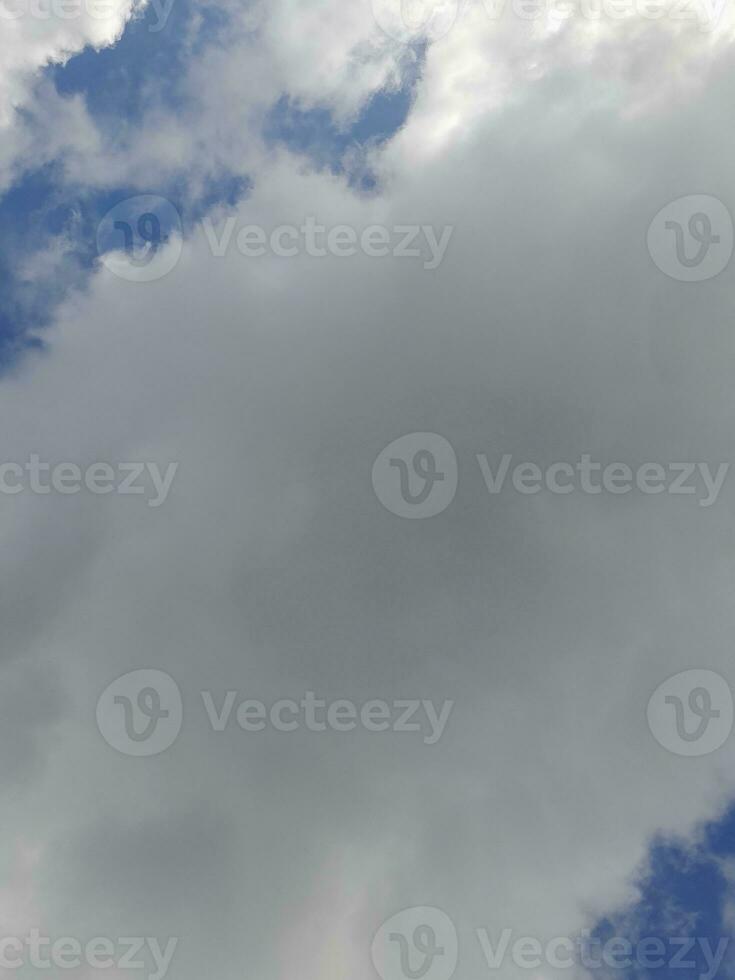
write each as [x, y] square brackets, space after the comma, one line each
[34, 34]
[40, 32]
[637, 57]
[640, 56]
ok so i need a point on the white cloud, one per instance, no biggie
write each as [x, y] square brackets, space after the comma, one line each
[35, 34]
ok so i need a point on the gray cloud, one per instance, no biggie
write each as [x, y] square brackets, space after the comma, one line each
[273, 569]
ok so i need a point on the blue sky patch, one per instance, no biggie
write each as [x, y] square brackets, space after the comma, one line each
[682, 909]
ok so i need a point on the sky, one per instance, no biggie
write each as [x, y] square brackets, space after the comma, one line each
[365, 493]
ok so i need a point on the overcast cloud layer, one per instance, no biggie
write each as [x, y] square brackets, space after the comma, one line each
[545, 332]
